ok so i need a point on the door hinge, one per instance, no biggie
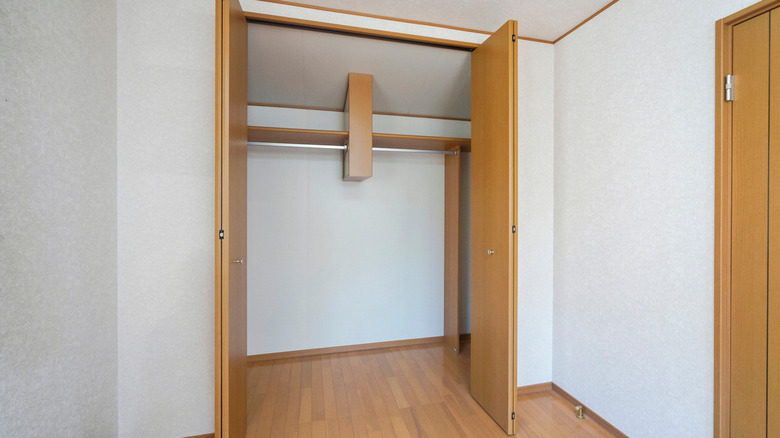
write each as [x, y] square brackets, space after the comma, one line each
[221, 234]
[514, 37]
[514, 229]
[729, 88]
[513, 415]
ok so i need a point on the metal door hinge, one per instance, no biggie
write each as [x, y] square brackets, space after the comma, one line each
[514, 37]
[513, 415]
[514, 229]
[729, 88]
[221, 234]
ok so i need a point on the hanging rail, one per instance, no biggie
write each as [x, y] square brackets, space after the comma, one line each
[344, 147]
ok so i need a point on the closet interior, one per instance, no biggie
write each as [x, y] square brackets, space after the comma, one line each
[358, 173]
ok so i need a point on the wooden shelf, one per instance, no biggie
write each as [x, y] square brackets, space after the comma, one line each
[313, 136]
[421, 142]
[286, 135]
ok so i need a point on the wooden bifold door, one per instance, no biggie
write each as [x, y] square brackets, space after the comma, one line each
[493, 219]
[230, 222]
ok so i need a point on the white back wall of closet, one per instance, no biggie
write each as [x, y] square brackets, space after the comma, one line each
[335, 263]
[297, 118]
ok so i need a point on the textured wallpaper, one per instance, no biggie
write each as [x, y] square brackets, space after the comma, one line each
[165, 156]
[535, 153]
[58, 353]
[634, 212]
[336, 263]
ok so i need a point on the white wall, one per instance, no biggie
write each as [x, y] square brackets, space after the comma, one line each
[165, 159]
[634, 163]
[359, 21]
[339, 263]
[58, 353]
[535, 172]
[327, 120]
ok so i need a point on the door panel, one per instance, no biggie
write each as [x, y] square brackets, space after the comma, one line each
[451, 251]
[493, 197]
[749, 228]
[773, 373]
[230, 367]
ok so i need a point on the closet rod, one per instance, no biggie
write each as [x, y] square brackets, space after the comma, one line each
[327, 146]
[296, 145]
[416, 151]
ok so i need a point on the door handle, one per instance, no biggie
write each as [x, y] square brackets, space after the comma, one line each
[239, 261]
[490, 252]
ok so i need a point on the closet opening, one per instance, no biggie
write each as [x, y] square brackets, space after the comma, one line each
[339, 264]
[381, 257]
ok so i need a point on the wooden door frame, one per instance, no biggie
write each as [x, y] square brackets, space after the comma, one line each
[217, 219]
[230, 155]
[723, 210]
[451, 277]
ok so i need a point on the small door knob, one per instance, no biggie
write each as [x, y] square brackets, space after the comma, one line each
[490, 252]
[239, 261]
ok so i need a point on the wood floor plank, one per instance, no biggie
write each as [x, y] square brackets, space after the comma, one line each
[319, 429]
[304, 411]
[304, 431]
[356, 408]
[332, 427]
[364, 393]
[294, 401]
[400, 380]
[263, 427]
[376, 388]
[399, 428]
[328, 389]
[414, 380]
[317, 391]
[406, 392]
[254, 404]
[280, 405]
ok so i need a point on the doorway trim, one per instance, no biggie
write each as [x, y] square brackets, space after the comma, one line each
[221, 335]
[723, 209]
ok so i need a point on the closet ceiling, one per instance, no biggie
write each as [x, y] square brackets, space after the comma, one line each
[298, 67]
[543, 19]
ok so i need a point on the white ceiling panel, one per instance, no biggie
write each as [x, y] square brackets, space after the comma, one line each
[292, 66]
[543, 19]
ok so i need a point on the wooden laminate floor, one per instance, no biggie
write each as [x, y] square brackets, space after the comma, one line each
[419, 391]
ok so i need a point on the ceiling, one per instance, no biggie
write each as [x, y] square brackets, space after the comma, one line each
[542, 19]
[298, 67]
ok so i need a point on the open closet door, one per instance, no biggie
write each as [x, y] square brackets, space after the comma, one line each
[493, 216]
[231, 137]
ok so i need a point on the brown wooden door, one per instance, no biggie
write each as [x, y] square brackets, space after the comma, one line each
[749, 228]
[451, 251]
[231, 132]
[755, 238]
[493, 214]
[773, 299]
